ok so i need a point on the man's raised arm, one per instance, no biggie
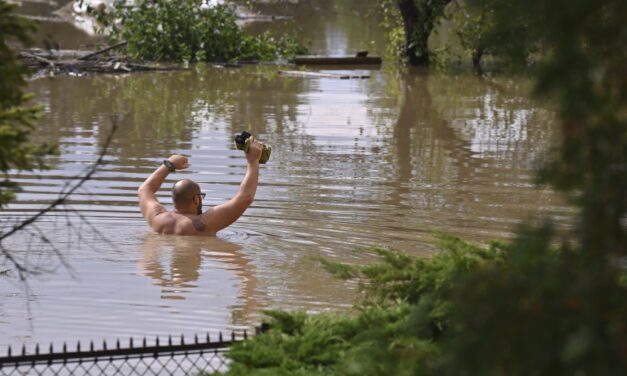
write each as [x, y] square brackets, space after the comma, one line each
[223, 215]
[148, 202]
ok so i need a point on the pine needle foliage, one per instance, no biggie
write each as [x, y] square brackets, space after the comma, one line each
[16, 117]
[397, 325]
[526, 307]
[543, 310]
[401, 277]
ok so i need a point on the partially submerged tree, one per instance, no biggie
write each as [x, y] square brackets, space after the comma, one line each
[474, 26]
[474, 22]
[420, 17]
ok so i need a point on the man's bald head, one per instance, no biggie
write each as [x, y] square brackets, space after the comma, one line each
[183, 193]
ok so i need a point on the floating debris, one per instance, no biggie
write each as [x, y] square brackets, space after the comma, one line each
[339, 76]
[361, 58]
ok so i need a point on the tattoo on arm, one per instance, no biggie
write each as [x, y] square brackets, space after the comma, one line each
[199, 224]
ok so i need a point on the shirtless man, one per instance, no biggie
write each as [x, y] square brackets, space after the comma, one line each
[187, 217]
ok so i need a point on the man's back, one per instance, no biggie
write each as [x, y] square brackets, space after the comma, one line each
[172, 223]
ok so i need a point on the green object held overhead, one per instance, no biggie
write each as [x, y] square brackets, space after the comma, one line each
[242, 142]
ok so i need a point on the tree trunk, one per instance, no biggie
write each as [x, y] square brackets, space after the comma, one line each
[411, 23]
[476, 60]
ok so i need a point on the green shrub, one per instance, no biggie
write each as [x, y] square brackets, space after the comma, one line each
[397, 327]
[165, 30]
[542, 311]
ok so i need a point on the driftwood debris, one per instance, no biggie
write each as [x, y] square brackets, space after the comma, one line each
[339, 76]
[37, 58]
[53, 62]
[102, 51]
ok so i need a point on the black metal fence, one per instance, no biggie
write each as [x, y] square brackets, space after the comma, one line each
[197, 356]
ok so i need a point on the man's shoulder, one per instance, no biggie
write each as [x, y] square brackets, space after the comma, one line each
[199, 223]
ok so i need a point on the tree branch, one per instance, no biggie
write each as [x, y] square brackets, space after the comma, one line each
[63, 197]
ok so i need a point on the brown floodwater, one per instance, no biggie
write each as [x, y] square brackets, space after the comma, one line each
[385, 161]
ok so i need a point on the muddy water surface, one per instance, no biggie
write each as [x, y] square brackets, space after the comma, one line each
[356, 163]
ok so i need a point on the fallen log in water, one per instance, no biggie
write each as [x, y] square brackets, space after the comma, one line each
[73, 61]
[340, 76]
[102, 51]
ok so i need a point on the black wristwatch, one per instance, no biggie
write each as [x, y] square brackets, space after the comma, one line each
[169, 165]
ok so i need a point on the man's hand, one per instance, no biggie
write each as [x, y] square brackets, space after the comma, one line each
[180, 162]
[254, 151]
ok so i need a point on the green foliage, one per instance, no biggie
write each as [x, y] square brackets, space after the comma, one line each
[475, 27]
[409, 25]
[522, 308]
[402, 277]
[541, 311]
[16, 119]
[165, 30]
[330, 344]
[395, 34]
[571, 303]
[582, 69]
[12, 73]
[535, 305]
[397, 327]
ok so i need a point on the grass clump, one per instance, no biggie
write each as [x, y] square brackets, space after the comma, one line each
[163, 30]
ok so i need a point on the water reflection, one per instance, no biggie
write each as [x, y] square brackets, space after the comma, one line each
[174, 263]
[494, 115]
[332, 27]
[162, 112]
[383, 161]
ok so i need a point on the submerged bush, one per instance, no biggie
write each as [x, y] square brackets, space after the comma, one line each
[163, 30]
